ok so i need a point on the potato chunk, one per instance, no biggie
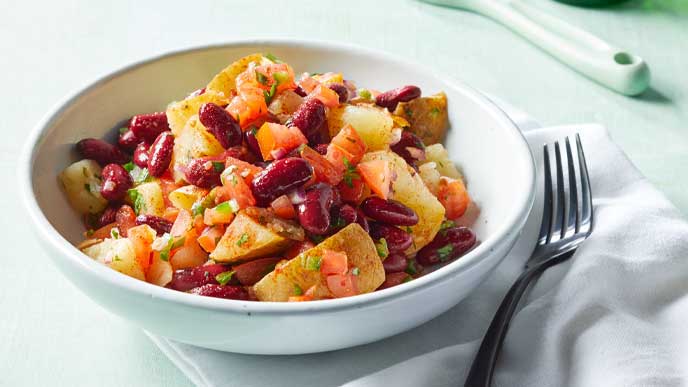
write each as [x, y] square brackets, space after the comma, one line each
[147, 199]
[427, 116]
[288, 278]
[255, 233]
[179, 113]
[372, 123]
[193, 141]
[118, 254]
[409, 189]
[225, 81]
[438, 154]
[185, 197]
[81, 182]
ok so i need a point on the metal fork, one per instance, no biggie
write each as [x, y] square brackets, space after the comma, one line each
[564, 227]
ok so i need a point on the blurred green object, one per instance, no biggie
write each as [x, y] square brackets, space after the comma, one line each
[588, 3]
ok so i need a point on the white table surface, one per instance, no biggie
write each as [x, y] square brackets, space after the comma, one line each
[51, 334]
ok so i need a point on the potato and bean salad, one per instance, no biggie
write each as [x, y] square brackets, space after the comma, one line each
[268, 186]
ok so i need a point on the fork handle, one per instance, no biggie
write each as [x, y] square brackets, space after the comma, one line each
[482, 369]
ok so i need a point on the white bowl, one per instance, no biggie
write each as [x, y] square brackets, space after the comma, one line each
[482, 140]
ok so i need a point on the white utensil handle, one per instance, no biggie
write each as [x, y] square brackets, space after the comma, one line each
[614, 68]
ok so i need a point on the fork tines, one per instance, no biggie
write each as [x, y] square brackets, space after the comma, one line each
[565, 217]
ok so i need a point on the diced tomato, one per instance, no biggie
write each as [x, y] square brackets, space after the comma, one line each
[213, 216]
[324, 171]
[308, 84]
[244, 169]
[334, 262]
[298, 248]
[273, 138]
[353, 193]
[327, 96]
[103, 232]
[247, 108]
[454, 197]
[280, 73]
[342, 285]
[338, 157]
[198, 224]
[349, 140]
[394, 279]
[142, 238]
[167, 186]
[283, 207]
[299, 298]
[378, 175]
[160, 272]
[170, 213]
[182, 224]
[210, 236]
[253, 271]
[235, 188]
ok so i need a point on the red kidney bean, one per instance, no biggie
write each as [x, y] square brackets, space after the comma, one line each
[280, 177]
[252, 143]
[314, 212]
[300, 91]
[160, 154]
[395, 262]
[188, 279]
[361, 220]
[160, 225]
[410, 147]
[309, 117]
[397, 239]
[147, 127]
[141, 155]
[221, 124]
[390, 99]
[389, 211]
[343, 215]
[321, 148]
[108, 216]
[125, 219]
[116, 182]
[128, 140]
[341, 90]
[204, 173]
[448, 244]
[253, 271]
[219, 291]
[102, 152]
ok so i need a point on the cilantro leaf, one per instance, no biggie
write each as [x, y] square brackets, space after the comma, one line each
[311, 262]
[382, 249]
[445, 252]
[224, 277]
[272, 57]
[128, 166]
[297, 290]
[218, 166]
[123, 130]
[261, 78]
[242, 239]
[365, 94]
[350, 173]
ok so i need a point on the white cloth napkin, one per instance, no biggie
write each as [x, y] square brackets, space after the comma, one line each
[614, 315]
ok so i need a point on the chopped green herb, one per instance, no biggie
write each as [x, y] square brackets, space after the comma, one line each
[87, 187]
[447, 224]
[269, 95]
[350, 173]
[272, 58]
[242, 239]
[280, 77]
[137, 199]
[197, 209]
[116, 258]
[411, 268]
[382, 249]
[227, 207]
[90, 232]
[224, 277]
[409, 230]
[123, 130]
[218, 166]
[434, 112]
[297, 290]
[408, 111]
[338, 222]
[128, 166]
[317, 238]
[171, 245]
[253, 130]
[261, 78]
[355, 271]
[311, 262]
[114, 233]
[407, 279]
[365, 94]
[445, 252]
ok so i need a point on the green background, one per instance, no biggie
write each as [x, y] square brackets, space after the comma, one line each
[51, 334]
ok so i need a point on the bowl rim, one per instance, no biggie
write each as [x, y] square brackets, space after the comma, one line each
[512, 225]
